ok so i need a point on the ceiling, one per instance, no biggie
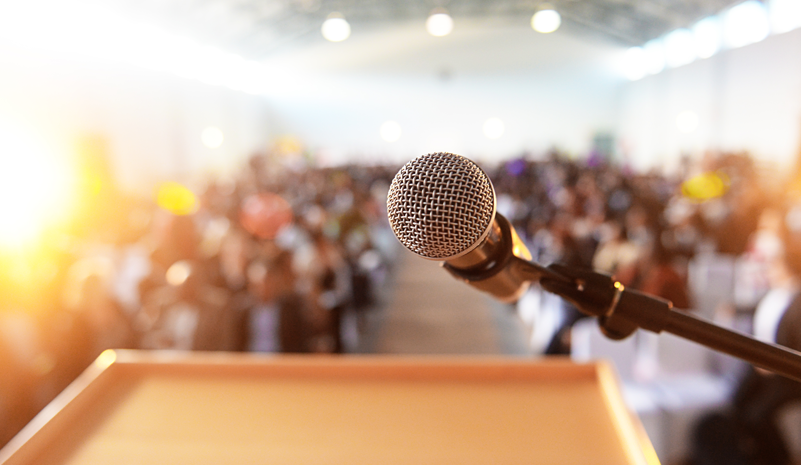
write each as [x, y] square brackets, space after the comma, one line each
[258, 28]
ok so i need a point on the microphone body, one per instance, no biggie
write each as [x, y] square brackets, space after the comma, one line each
[492, 266]
[442, 207]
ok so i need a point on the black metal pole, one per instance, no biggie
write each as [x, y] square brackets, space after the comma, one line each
[774, 358]
[622, 311]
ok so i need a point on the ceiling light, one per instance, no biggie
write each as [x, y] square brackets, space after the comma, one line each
[745, 24]
[785, 15]
[335, 28]
[546, 20]
[654, 56]
[439, 23]
[493, 128]
[390, 131]
[634, 65]
[679, 48]
[707, 36]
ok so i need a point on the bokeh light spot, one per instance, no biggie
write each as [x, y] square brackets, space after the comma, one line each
[439, 24]
[176, 199]
[546, 21]
[336, 28]
[178, 273]
[705, 186]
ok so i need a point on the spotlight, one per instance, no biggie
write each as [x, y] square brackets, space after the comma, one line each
[439, 23]
[745, 24]
[707, 35]
[785, 15]
[335, 28]
[546, 20]
[634, 64]
[654, 56]
[679, 48]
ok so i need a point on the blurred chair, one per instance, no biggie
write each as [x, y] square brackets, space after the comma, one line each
[668, 381]
[588, 343]
[711, 278]
[688, 388]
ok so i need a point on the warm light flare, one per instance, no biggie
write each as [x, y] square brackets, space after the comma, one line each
[36, 187]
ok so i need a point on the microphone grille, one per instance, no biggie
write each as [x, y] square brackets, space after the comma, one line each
[441, 205]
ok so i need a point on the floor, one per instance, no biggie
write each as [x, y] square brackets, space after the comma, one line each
[426, 311]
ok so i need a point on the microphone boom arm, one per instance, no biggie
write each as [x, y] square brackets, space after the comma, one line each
[620, 312]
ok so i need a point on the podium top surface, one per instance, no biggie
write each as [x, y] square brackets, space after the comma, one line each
[188, 408]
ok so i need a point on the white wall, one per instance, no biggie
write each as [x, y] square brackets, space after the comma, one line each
[549, 90]
[746, 99]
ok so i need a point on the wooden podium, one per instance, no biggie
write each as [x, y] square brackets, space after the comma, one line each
[188, 408]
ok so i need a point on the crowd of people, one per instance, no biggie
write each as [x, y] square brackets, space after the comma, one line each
[642, 228]
[284, 258]
[287, 258]
[648, 231]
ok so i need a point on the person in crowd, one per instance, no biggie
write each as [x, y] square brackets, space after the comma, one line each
[289, 293]
[187, 313]
[294, 329]
[657, 275]
[329, 279]
[615, 252]
[749, 432]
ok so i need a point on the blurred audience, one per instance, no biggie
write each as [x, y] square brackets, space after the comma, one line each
[749, 430]
[281, 259]
[287, 258]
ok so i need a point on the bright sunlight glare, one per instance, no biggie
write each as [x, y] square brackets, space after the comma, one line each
[35, 187]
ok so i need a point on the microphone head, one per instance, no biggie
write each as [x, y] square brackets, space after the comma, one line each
[441, 205]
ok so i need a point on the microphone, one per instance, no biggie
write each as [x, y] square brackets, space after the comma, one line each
[442, 206]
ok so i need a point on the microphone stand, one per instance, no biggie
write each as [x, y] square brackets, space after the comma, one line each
[621, 311]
